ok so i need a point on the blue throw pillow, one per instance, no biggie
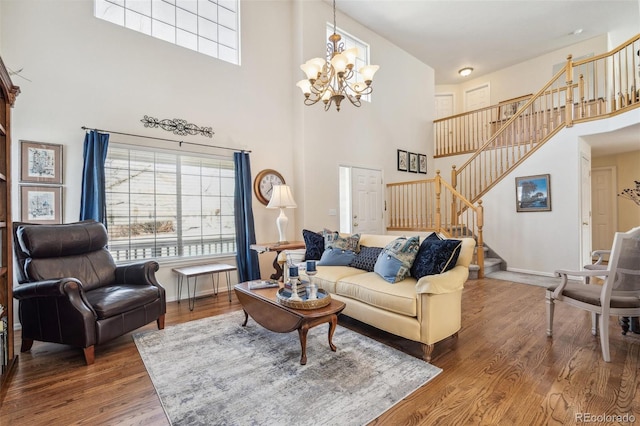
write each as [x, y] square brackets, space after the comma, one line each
[336, 257]
[314, 244]
[435, 257]
[366, 258]
[387, 267]
[394, 262]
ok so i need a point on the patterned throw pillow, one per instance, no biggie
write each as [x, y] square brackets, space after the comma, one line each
[314, 244]
[336, 257]
[334, 240]
[394, 262]
[435, 257]
[366, 258]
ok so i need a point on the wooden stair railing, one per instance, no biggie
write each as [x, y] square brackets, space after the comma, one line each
[433, 205]
[608, 85]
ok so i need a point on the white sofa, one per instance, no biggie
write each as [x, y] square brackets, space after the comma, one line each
[427, 310]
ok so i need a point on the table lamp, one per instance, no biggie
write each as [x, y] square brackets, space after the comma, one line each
[281, 198]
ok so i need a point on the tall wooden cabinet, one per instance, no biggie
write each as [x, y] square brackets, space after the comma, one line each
[8, 93]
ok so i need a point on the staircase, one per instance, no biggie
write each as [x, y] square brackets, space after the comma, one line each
[501, 139]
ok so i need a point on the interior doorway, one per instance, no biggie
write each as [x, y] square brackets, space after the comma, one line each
[361, 200]
[477, 97]
[604, 207]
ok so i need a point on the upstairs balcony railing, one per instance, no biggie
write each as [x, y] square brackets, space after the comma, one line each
[503, 136]
[433, 205]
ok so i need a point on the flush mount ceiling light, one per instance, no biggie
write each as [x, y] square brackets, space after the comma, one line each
[465, 71]
[333, 79]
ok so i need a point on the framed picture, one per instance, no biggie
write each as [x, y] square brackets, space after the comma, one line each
[413, 162]
[509, 107]
[40, 162]
[402, 160]
[41, 204]
[533, 194]
[422, 163]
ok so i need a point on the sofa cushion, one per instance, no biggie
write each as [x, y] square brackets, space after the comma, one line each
[394, 262]
[344, 242]
[372, 289]
[314, 244]
[336, 257]
[327, 276]
[435, 257]
[366, 258]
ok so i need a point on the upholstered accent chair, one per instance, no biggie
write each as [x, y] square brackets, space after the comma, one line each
[619, 295]
[71, 291]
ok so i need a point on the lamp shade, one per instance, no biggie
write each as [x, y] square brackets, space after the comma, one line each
[281, 197]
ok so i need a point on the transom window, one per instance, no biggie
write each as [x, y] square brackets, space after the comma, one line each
[164, 204]
[363, 53]
[206, 26]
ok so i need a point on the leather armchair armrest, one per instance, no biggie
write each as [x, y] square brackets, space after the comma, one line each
[48, 288]
[448, 282]
[69, 288]
[143, 273]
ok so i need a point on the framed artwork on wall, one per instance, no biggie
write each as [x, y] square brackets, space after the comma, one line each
[41, 204]
[40, 162]
[413, 162]
[402, 160]
[422, 163]
[533, 193]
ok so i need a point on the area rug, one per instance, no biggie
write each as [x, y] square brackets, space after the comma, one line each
[213, 371]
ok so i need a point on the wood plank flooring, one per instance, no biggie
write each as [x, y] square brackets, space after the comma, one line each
[501, 370]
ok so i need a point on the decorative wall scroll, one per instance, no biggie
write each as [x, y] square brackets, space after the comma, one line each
[177, 126]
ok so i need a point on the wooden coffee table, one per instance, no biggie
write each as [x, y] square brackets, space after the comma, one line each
[264, 308]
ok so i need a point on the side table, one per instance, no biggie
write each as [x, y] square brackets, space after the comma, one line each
[195, 271]
[278, 248]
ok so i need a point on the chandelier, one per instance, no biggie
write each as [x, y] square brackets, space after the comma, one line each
[332, 80]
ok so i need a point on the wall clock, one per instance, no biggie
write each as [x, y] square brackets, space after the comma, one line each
[263, 184]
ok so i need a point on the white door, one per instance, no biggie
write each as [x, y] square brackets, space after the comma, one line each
[476, 98]
[366, 201]
[585, 209]
[604, 206]
[444, 105]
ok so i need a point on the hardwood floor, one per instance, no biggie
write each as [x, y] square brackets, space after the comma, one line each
[502, 369]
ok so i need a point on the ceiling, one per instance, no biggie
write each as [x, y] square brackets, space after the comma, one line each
[490, 35]
[487, 35]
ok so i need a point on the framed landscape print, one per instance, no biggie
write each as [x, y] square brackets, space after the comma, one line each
[422, 163]
[507, 108]
[402, 160]
[533, 194]
[413, 162]
[40, 162]
[41, 204]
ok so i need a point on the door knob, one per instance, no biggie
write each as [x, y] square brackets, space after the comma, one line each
[355, 224]
[585, 223]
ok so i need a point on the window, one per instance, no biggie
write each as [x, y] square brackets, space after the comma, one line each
[164, 204]
[206, 26]
[362, 59]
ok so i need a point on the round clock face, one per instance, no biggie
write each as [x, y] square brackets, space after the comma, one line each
[263, 185]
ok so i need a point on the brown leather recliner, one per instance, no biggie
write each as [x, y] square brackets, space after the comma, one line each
[72, 292]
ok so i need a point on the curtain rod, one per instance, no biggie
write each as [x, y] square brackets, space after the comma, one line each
[164, 139]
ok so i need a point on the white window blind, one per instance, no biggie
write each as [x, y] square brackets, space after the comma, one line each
[163, 204]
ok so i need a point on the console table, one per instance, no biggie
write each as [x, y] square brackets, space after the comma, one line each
[197, 270]
[278, 248]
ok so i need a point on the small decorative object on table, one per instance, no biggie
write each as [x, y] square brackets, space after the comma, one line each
[293, 278]
[313, 288]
